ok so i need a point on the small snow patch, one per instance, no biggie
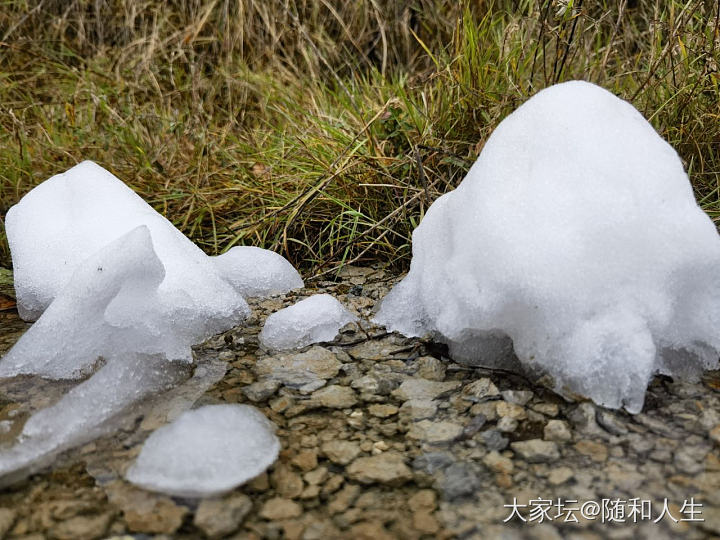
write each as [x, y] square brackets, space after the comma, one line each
[206, 451]
[313, 320]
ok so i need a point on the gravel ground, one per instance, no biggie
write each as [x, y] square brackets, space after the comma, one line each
[385, 437]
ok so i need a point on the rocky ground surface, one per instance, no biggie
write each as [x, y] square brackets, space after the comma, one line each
[385, 437]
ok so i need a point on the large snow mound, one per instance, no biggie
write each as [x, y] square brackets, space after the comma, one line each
[206, 451]
[312, 320]
[254, 271]
[576, 235]
[69, 217]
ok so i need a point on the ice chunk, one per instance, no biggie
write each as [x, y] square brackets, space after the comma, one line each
[315, 319]
[71, 216]
[113, 307]
[576, 234]
[253, 271]
[86, 412]
[206, 451]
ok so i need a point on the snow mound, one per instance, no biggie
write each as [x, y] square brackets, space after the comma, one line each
[111, 308]
[312, 320]
[253, 271]
[206, 451]
[68, 218]
[576, 235]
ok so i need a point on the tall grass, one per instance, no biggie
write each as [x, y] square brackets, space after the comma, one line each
[324, 129]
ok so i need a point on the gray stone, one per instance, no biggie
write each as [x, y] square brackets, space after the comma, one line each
[494, 440]
[460, 480]
[583, 418]
[418, 409]
[220, 517]
[518, 397]
[431, 462]
[610, 423]
[689, 459]
[536, 450]
[261, 390]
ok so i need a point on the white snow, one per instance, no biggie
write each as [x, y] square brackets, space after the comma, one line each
[85, 412]
[312, 320]
[253, 271]
[206, 451]
[576, 234]
[113, 283]
[71, 216]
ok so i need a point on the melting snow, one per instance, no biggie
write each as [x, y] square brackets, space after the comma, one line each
[206, 451]
[312, 320]
[253, 271]
[576, 235]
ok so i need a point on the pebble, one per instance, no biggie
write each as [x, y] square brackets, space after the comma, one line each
[306, 460]
[317, 476]
[480, 390]
[714, 434]
[494, 440]
[220, 517]
[460, 481]
[510, 410]
[387, 468]
[82, 527]
[340, 452]
[381, 410]
[261, 390]
[419, 409]
[594, 450]
[279, 508]
[304, 370]
[7, 519]
[335, 397]
[560, 475]
[536, 450]
[417, 388]
[498, 463]
[435, 432]
[518, 397]
[507, 424]
[548, 409]
[430, 368]
[557, 431]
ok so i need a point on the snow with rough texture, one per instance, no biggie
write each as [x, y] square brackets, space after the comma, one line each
[254, 271]
[85, 412]
[576, 235]
[206, 451]
[68, 218]
[312, 320]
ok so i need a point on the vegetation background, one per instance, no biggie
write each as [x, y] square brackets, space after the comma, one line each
[325, 128]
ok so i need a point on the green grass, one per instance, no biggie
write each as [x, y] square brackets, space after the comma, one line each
[325, 129]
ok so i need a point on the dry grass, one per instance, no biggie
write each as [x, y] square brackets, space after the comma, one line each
[324, 129]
